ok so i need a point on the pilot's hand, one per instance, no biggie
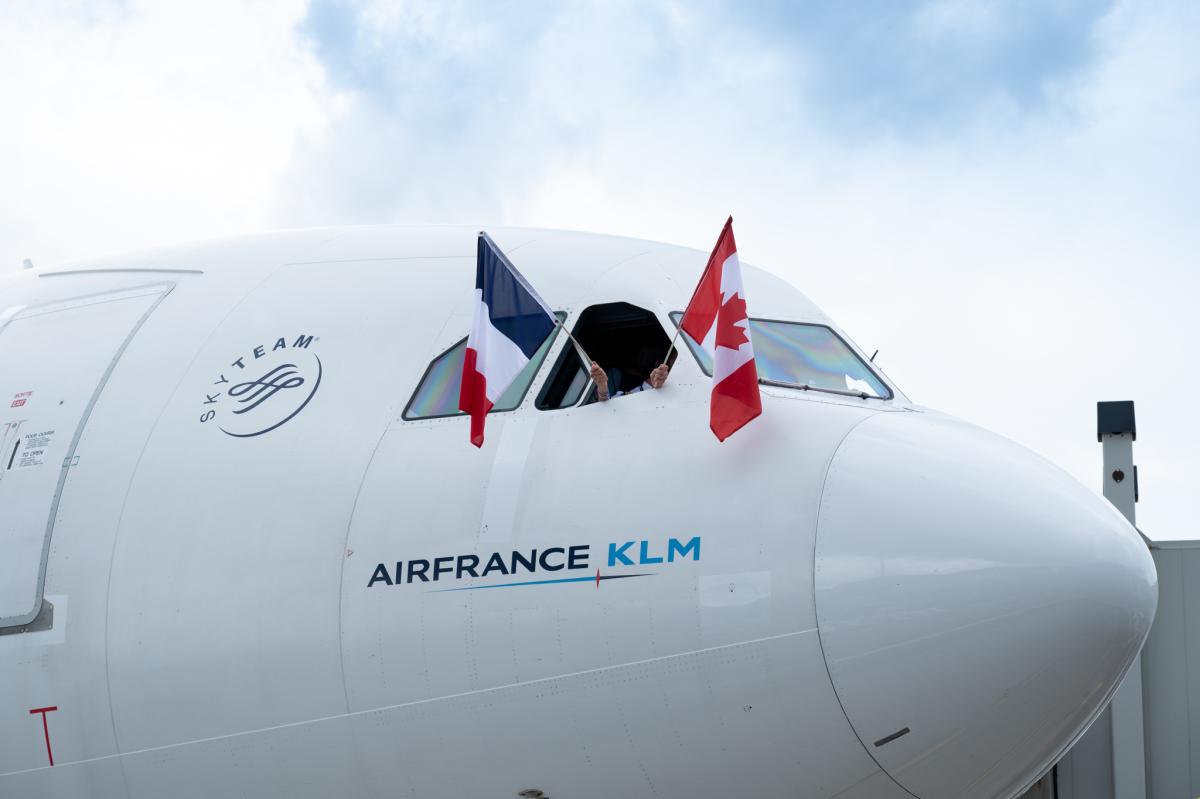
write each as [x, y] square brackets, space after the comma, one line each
[601, 381]
[659, 376]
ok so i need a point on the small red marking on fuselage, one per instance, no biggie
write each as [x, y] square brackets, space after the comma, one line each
[17, 403]
[597, 578]
[46, 727]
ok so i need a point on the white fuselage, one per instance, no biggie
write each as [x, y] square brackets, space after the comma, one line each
[314, 596]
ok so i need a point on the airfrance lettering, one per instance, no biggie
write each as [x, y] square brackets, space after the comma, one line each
[556, 563]
[279, 378]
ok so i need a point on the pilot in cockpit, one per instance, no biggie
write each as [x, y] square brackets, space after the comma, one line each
[618, 381]
[617, 349]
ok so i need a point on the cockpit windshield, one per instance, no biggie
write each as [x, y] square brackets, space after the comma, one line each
[803, 356]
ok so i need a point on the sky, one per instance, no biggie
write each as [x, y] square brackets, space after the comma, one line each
[1001, 197]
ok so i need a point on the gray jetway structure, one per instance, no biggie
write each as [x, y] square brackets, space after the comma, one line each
[1146, 745]
[1169, 737]
[1171, 674]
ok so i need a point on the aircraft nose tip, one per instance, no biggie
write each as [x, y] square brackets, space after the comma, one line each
[976, 605]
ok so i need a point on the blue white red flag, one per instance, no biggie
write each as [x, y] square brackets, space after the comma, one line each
[511, 322]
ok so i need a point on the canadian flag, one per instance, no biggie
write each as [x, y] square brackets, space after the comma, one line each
[716, 317]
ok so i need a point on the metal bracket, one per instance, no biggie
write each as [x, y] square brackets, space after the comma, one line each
[43, 621]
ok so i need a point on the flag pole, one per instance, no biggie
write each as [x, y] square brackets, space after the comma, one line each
[579, 350]
[674, 338]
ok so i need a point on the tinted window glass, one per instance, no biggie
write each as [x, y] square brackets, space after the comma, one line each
[566, 383]
[437, 393]
[623, 338]
[795, 354]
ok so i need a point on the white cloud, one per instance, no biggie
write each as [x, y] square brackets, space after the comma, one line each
[148, 122]
[1013, 274]
[1010, 223]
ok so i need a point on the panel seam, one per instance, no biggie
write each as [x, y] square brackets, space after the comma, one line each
[816, 610]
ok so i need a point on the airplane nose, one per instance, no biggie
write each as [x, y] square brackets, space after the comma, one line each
[976, 605]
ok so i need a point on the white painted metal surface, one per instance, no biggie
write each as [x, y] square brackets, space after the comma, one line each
[951, 567]
[228, 634]
[1110, 759]
[1128, 718]
[56, 358]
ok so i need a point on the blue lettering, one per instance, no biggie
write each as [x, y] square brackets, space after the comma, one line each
[616, 553]
[577, 557]
[529, 563]
[466, 565]
[545, 564]
[674, 546]
[417, 568]
[495, 563]
[645, 554]
[380, 576]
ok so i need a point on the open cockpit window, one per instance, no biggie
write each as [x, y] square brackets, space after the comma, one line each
[437, 393]
[625, 340]
[806, 356]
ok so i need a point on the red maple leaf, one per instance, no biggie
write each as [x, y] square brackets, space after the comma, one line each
[729, 334]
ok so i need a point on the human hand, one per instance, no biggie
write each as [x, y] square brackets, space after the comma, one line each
[600, 378]
[659, 376]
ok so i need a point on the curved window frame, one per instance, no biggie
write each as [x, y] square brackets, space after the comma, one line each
[677, 316]
[537, 361]
[596, 327]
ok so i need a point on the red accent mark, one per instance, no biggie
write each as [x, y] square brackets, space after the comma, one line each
[729, 333]
[597, 578]
[17, 403]
[46, 727]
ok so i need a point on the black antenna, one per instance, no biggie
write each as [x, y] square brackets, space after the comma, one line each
[873, 354]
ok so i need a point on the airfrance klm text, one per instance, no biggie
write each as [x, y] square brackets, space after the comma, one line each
[538, 566]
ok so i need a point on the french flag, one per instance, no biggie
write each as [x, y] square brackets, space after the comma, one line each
[511, 322]
[716, 317]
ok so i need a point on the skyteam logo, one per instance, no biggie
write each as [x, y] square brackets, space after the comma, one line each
[264, 388]
[552, 565]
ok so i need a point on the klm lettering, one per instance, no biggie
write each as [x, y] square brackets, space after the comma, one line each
[621, 554]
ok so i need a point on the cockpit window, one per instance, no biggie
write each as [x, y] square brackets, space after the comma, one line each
[437, 393]
[625, 340]
[803, 356]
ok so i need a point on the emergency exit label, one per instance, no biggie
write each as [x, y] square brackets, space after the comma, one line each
[20, 399]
